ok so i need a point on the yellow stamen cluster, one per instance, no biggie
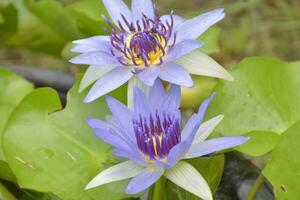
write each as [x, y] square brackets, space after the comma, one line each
[153, 57]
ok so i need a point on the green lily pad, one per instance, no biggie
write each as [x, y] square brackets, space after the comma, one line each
[283, 169]
[13, 90]
[5, 172]
[264, 139]
[211, 169]
[263, 97]
[31, 195]
[53, 150]
[5, 193]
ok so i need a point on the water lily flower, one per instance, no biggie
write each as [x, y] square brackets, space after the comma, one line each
[141, 43]
[152, 139]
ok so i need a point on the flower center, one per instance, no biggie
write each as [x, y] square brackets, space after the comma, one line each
[142, 43]
[157, 134]
[145, 48]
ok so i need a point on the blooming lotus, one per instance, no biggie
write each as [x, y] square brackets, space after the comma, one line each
[153, 140]
[145, 45]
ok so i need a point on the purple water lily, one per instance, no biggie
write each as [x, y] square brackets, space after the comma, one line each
[152, 137]
[141, 43]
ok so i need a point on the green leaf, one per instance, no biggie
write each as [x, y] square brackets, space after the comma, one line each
[88, 16]
[31, 195]
[54, 150]
[92, 8]
[211, 168]
[264, 96]
[9, 22]
[2, 20]
[5, 193]
[59, 19]
[265, 140]
[210, 40]
[13, 90]
[41, 39]
[283, 170]
[88, 26]
[5, 172]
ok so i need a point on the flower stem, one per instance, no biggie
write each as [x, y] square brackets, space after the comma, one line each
[159, 188]
[255, 188]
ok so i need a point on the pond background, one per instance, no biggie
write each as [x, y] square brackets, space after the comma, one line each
[250, 28]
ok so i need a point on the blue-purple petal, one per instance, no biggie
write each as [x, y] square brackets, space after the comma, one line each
[93, 40]
[163, 165]
[108, 82]
[172, 99]
[156, 94]
[143, 181]
[213, 145]
[176, 74]
[123, 117]
[130, 154]
[149, 75]
[140, 8]
[96, 58]
[193, 28]
[183, 48]
[111, 137]
[117, 8]
[190, 127]
[141, 103]
[80, 48]
[166, 19]
[176, 153]
[123, 142]
[97, 43]
[97, 123]
[203, 108]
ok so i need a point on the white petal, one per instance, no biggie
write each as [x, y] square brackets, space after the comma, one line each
[143, 180]
[199, 63]
[140, 7]
[186, 176]
[117, 172]
[92, 74]
[117, 8]
[206, 129]
[108, 82]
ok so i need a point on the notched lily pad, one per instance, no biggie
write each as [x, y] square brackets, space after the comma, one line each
[54, 151]
[264, 96]
[266, 141]
[283, 169]
[13, 90]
